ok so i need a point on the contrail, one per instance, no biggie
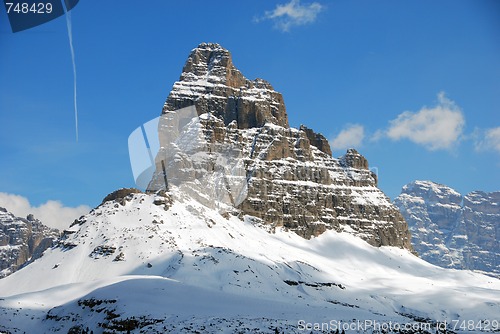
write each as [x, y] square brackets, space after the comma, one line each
[70, 35]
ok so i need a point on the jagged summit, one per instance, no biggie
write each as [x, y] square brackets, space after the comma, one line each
[211, 82]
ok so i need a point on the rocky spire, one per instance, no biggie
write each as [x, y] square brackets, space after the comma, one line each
[211, 82]
[241, 155]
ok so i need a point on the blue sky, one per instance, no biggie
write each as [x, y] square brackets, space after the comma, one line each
[414, 85]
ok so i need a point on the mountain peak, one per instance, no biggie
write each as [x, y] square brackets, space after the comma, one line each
[212, 61]
[216, 63]
[212, 83]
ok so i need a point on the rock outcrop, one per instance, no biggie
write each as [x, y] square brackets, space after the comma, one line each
[22, 240]
[290, 177]
[120, 195]
[451, 230]
[317, 140]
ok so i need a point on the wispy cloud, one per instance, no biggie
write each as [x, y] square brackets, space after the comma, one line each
[293, 13]
[436, 128]
[52, 213]
[488, 139]
[350, 137]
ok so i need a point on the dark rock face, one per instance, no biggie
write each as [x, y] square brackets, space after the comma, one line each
[293, 181]
[451, 230]
[317, 140]
[120, 195]
[22, 240]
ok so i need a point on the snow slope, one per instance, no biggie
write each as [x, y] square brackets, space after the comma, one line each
[176, 266]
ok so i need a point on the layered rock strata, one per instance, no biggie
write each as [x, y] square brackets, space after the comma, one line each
[284, 176]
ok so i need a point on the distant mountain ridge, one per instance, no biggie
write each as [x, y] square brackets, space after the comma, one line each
[22, 240]
[453, 230]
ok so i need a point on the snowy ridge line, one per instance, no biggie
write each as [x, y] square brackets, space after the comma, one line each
[180, 263]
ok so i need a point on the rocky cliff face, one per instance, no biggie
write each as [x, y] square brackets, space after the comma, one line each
[451, 230]
[282, 175]
[210, 81]
[21, 240]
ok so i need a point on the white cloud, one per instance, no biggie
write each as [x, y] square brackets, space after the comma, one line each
[440, 127]
[293, 14]
[51, 213]
[488, 139]
[350, 137]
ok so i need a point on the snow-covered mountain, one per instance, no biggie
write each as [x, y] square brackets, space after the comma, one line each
[22, 240]
[247, 226]
[167, 264]
[451, 230]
